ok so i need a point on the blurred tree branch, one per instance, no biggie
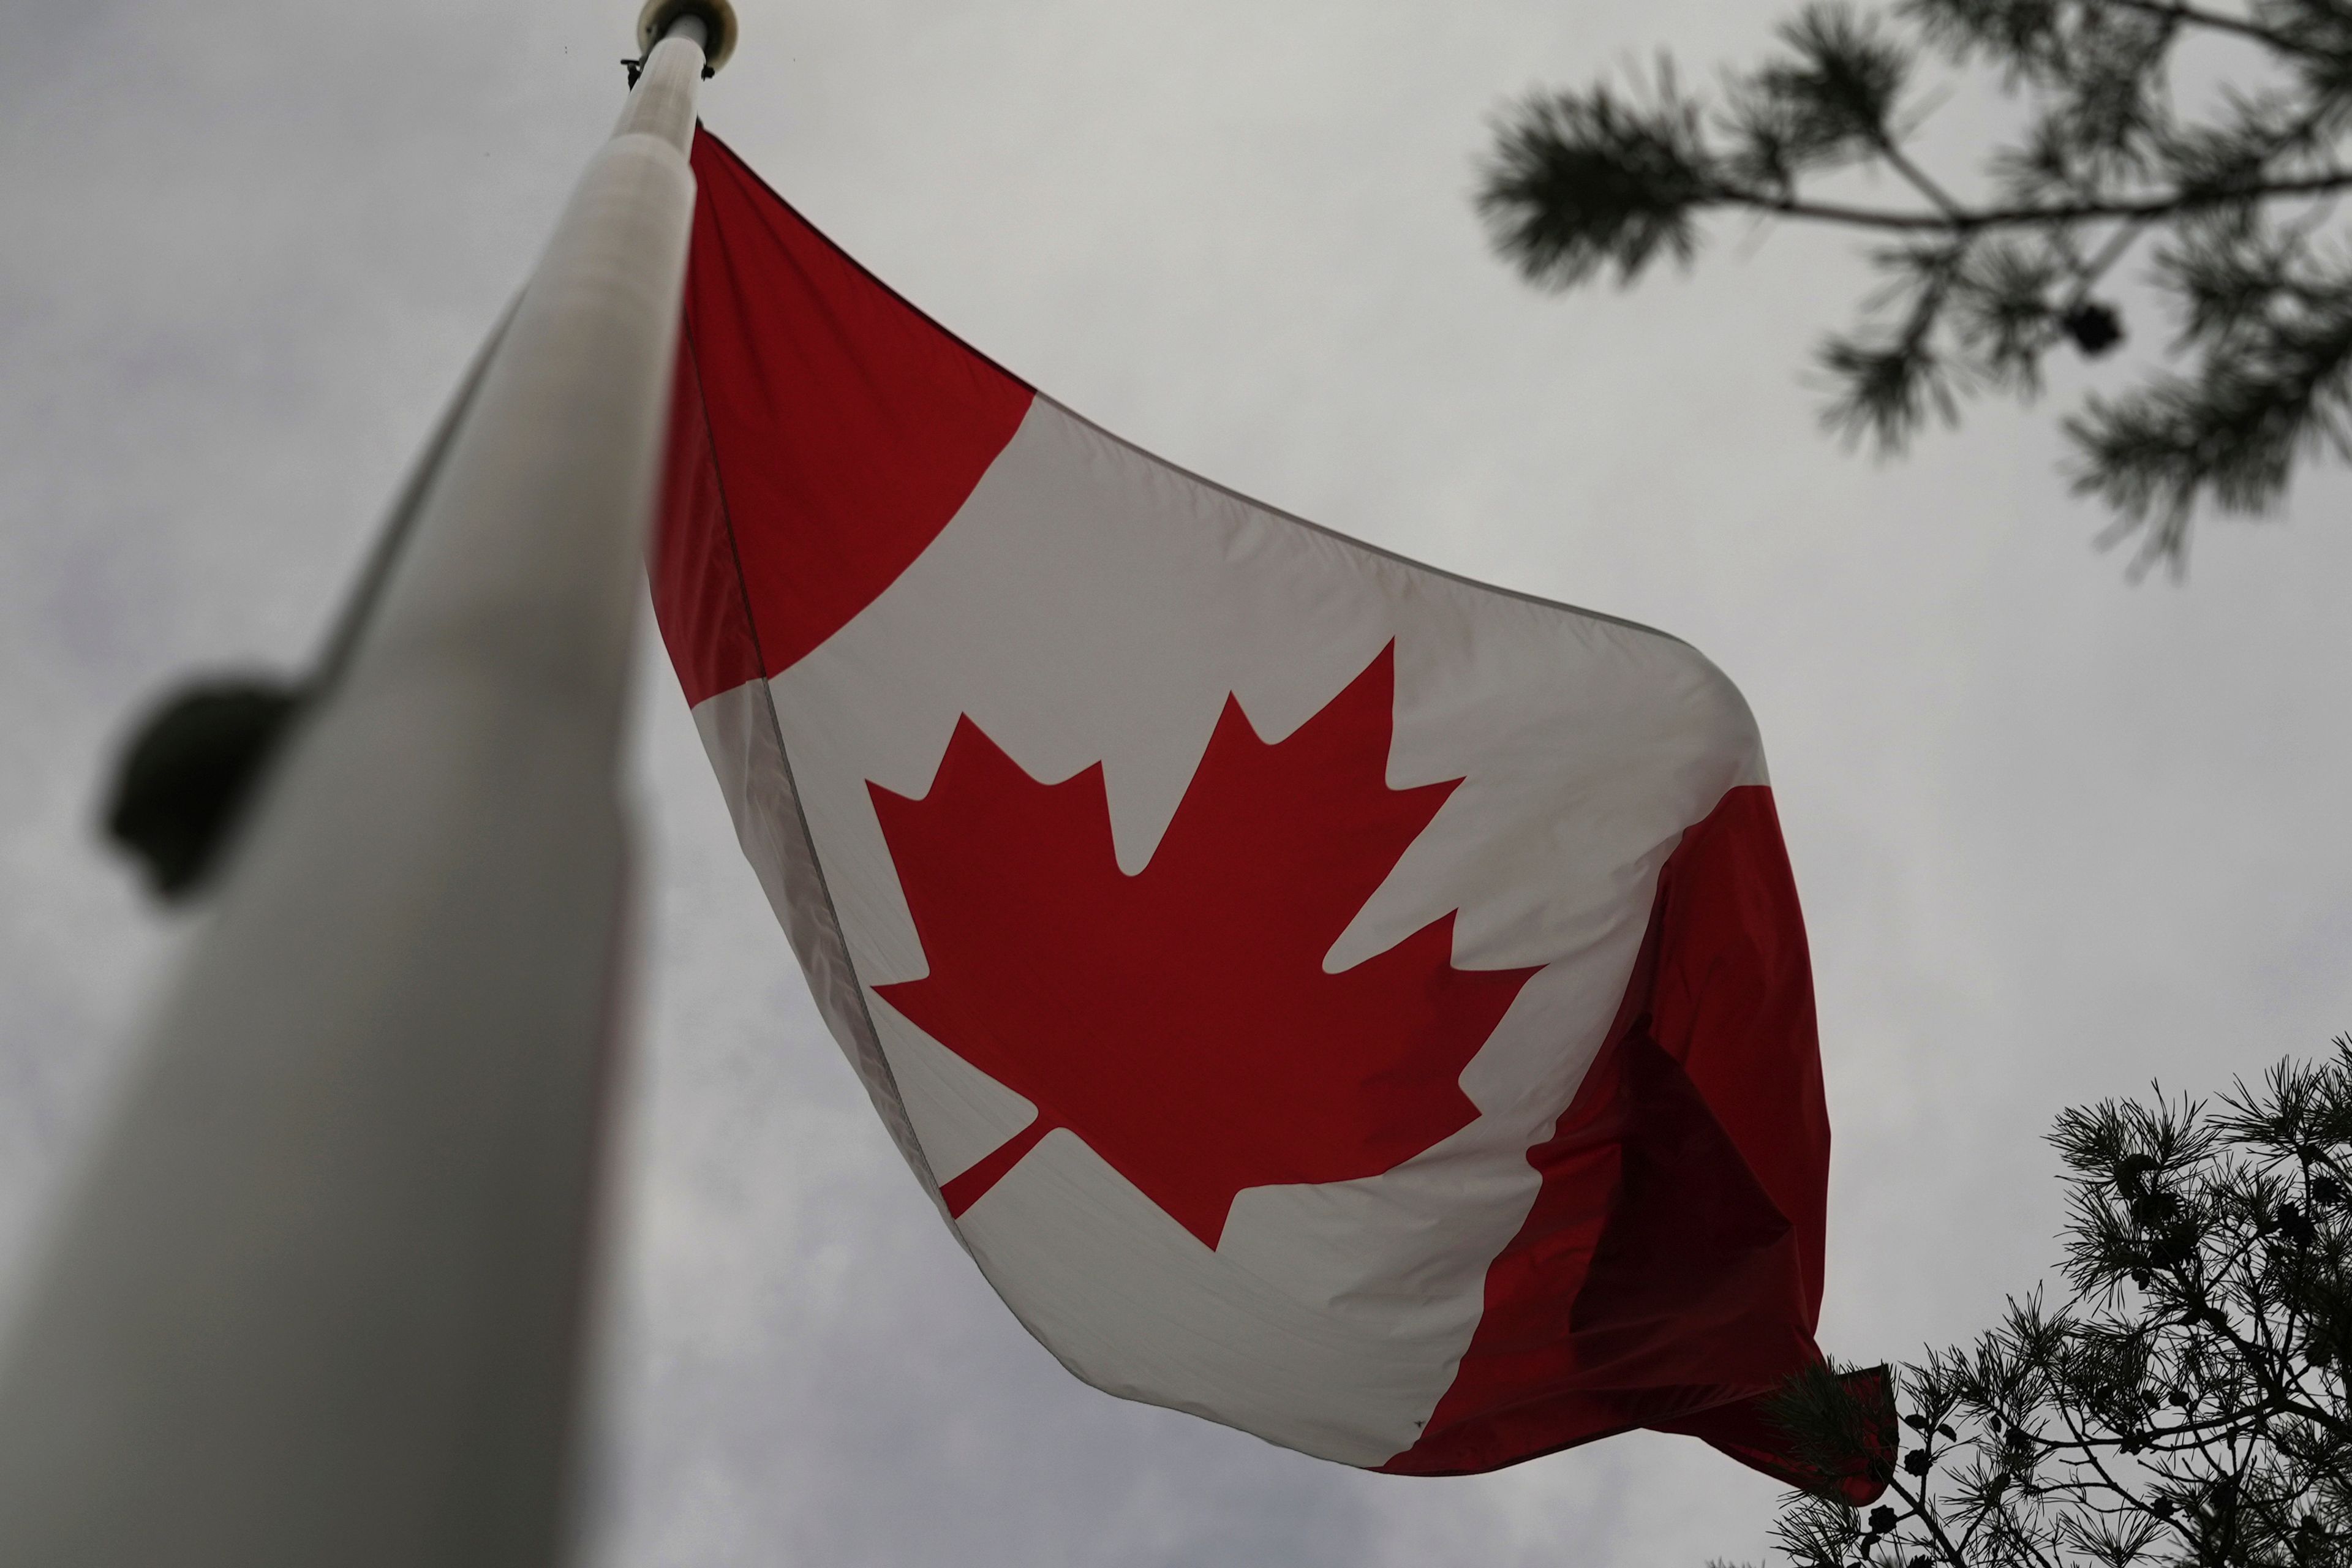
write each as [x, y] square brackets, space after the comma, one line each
[2234, 203]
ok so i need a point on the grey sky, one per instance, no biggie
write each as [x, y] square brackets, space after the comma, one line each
[2056, 835]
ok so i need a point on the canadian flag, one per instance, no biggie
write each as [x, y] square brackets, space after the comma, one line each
[1349, 1002]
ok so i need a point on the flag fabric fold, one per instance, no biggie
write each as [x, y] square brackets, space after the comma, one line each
[1356, 1005]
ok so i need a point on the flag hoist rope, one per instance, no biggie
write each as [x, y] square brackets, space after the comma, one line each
[315, 1293]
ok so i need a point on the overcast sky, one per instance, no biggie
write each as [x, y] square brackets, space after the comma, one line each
[2057, 834]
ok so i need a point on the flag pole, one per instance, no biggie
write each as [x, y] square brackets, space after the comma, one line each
[316, 1289]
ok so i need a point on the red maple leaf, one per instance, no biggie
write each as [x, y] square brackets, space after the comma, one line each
[1180, 1020]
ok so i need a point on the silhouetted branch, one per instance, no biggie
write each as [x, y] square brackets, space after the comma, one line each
[1599, 181]
[2187, 1406]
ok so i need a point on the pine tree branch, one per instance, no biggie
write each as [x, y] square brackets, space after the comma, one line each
[1974, 221]
[1598, 181]
[1920, 1511]
[2252, 1361]
[2020, 1537]
[2218, 22]
[2096, 1464]
[1901, 162]
[2087, 275]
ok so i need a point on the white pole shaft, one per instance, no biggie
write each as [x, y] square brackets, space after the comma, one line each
[315, 1293]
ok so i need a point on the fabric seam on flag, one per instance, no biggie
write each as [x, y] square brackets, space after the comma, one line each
[900, 1126]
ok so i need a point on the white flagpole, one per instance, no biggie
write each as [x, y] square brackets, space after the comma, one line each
[315, 1293]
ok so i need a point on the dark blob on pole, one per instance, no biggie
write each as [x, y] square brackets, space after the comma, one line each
[189, 772]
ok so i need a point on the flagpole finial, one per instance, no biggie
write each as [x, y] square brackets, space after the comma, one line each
[717, 18]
